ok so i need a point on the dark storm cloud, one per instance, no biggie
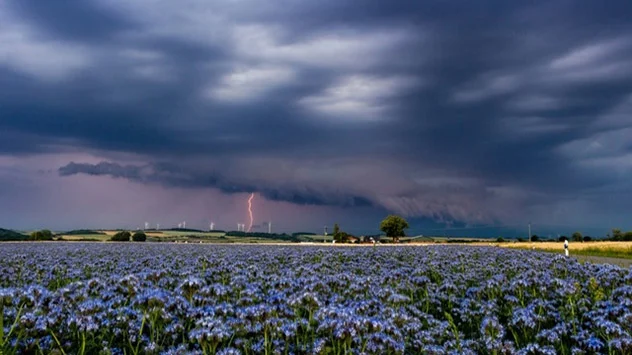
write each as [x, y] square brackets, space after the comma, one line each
[171, 176]
[104, 168]
[432, 109]
[82, 20]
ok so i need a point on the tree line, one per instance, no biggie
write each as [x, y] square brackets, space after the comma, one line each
[618, 236]
[125, 236]
[393, 226]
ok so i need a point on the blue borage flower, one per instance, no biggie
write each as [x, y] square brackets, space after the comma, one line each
[8, 295]
[524, 318]
[536, 349]
[621, 345]
[492, 329]
[245, 299]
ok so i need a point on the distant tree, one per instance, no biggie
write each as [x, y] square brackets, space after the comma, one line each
[500, 240]
[48, 235]
[37, 235]
[342, 237]
[122, 236]
[577, 237]
[337, 234]
[44, 234]
[563, 238]
[139, 237]
[394, 227]
[616, 234]
[627, 236]
[587, 238]
[535, 238]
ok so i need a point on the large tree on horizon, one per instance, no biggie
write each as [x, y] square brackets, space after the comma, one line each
[394, 227]
[577, 237]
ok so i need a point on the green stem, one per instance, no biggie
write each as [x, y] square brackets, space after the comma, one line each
[15, 322]
[265, 340]
[58, 343]
[515, 338]
[83, 343]
[140, 335]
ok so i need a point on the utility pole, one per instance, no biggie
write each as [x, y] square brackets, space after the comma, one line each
[529, 231]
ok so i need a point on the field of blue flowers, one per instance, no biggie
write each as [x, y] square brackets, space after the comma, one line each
[109, 298]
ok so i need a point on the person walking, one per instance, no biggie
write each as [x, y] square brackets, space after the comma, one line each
[566, 246]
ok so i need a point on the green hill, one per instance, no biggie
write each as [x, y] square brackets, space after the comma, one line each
[7, 235]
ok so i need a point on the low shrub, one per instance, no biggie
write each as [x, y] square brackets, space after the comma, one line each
[139, 237]
[121, 236]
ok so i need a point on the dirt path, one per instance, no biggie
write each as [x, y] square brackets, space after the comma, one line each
[604, 260]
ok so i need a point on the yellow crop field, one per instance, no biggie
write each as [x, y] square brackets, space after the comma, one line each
[571, 245]
[607, 249]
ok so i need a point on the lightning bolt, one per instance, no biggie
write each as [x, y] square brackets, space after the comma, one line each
[252, 195]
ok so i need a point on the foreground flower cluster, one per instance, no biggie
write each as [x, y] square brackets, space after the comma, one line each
[177, 299]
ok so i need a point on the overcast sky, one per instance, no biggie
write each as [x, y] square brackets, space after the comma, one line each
[457, 113]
